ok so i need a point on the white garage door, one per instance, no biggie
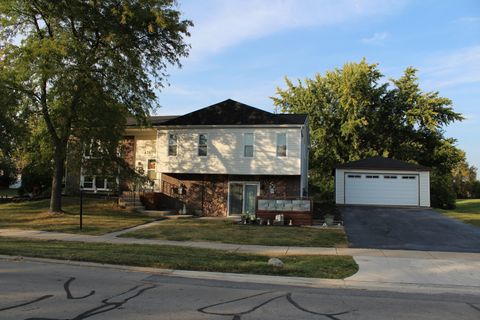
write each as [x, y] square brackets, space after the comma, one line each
[382, 189]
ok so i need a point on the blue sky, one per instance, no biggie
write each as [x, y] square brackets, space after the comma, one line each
[243, 50]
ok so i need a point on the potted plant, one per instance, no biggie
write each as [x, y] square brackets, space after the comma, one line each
[329, 219]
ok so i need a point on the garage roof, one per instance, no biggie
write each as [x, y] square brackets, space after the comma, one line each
[381, 163]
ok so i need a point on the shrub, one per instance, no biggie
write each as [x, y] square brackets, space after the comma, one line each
[442, 192]
[36, 178]
[476, 189]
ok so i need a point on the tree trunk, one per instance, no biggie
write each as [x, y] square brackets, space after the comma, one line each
[56, 196]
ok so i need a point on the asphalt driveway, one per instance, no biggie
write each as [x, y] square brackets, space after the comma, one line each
[408, 228]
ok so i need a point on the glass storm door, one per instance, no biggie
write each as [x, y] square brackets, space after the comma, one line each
[249, 200]
[236, 198]
[242, 197]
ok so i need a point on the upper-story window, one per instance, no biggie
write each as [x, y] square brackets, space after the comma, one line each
[202, 144]
[248, 144]
[92, 149]
[172, 144]
[281, 144]
[151, 169]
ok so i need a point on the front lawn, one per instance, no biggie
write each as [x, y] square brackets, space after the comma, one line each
[99, 216]
[183, 258]
[227, 231]
[467, 211]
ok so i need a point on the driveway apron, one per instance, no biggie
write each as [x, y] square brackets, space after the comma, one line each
[408, 228]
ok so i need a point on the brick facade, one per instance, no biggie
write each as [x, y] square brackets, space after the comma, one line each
[208, 194]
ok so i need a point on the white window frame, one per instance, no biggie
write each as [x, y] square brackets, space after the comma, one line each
[168, 144]
[206, 144]
[152, 170]
[92, 182]
[277, 145]
[253, 144]
[94, 185]
[90, 147]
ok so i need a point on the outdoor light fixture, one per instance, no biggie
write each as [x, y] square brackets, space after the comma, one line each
[271, 188]
[182, 189]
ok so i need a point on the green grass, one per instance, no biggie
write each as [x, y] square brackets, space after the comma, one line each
[231, 232]
[99, 216]
[183, 258]
[467, 211]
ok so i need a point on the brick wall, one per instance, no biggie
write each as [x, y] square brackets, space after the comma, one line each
[208, 194]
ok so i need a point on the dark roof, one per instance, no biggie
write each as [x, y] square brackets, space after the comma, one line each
[231, 112]
[153, 120]
[381, 163]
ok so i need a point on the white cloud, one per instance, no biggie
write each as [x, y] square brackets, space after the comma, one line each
[220, 24]
[377, 38]
[453, 68]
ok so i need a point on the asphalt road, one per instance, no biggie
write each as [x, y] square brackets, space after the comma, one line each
[408, 228]
[39, 290]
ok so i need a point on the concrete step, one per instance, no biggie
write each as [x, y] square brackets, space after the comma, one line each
[131, 203]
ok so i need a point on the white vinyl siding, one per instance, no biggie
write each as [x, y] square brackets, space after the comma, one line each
[226, 152]
[382, 187]
[425, 189]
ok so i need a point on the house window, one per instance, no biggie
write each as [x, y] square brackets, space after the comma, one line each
[408, 177]
[390, 177]
[354, 176]
[100, 182]
[92, 149]
[281, 144]
[202, 144]
[372, 177]
[248, 144]
[88, 182]
[151, 174]
[172, 144]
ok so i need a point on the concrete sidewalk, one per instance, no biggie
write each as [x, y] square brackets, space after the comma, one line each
[378, 268]
[241, 248]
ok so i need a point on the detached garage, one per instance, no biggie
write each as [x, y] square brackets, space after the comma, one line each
[382, 181]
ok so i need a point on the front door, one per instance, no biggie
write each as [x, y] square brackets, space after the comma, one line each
[242, 196]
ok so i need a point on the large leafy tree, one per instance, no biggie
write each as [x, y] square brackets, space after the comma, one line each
[355, 113]
[83, 66]
[465, 180]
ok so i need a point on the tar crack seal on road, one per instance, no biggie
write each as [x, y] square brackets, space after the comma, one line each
[106, 305]
[287, 296]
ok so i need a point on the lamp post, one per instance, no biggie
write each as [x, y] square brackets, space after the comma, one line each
[81, 207]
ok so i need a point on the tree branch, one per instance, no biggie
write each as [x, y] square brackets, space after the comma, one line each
[37, 27]
[46, 114]
[45, 19]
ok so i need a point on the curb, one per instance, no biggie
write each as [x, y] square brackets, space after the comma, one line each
[268, 280]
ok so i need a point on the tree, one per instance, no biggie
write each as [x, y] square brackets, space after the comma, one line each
[84, 66]
[354, 113]
[464, 178]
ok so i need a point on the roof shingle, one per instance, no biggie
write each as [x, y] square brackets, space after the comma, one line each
[231, 112]
[381, 163]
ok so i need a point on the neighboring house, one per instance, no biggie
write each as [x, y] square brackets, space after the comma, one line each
[216, 160]
[382, 181]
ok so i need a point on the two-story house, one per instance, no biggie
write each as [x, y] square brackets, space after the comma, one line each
[216, 160]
